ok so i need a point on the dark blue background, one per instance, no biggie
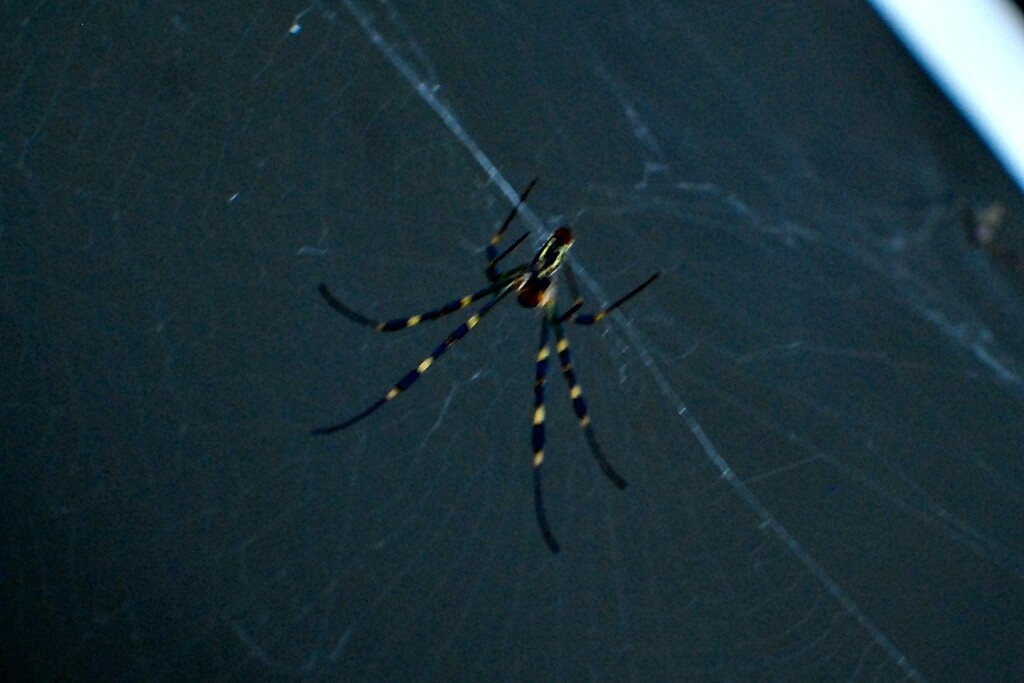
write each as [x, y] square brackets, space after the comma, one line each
[817, 405]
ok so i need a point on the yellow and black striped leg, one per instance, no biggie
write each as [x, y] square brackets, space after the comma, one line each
[538, 436]
[410, 379]
[591, 318]
[492, 248]
[492, 265]
[403, 323]
[577, 298]
[580, 405]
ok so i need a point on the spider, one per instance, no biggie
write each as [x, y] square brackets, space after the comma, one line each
[533, 284]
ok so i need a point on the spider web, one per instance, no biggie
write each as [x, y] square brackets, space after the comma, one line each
[816, 405]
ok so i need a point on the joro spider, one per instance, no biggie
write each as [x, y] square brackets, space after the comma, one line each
[533, 283]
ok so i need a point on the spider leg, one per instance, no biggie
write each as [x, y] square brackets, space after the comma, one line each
[538, 436]
[414, 374]
[492, 265]
[403, 323]
[591, 318]
[492, 248]
[577, 298]
[579, 404]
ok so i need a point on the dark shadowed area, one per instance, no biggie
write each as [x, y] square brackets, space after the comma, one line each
[817, 405]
